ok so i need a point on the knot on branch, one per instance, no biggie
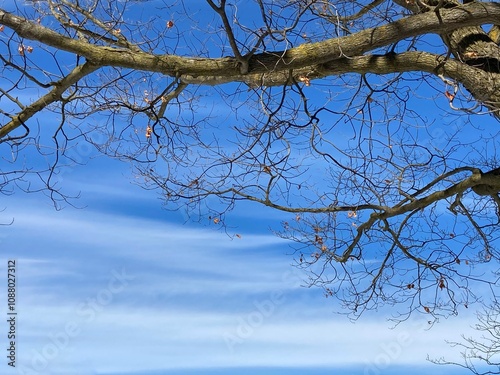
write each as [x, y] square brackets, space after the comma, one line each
[492, 183]
[485, 189]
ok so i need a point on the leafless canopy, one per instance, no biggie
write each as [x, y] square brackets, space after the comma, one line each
[370, 125]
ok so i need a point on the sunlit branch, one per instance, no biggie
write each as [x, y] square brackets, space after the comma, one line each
[54, 95]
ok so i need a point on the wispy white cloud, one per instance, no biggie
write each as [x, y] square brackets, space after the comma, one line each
[131, 338]
[194, 298]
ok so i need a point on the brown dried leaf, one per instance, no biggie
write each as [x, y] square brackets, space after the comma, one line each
[149, 130]
[449, 95]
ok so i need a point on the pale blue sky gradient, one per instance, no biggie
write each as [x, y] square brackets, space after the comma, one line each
[189, 299]
[121, 286]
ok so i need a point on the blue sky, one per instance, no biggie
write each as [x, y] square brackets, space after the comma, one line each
[124, 287]
[121, 286]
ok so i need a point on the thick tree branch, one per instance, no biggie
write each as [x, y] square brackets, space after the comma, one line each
[388, 201]
[299, 57]
[472, 78]
[54, 95]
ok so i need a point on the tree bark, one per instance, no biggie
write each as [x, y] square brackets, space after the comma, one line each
[308, 54]
[476, 64]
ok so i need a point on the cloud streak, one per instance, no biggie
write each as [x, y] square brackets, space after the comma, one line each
[190, 292]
